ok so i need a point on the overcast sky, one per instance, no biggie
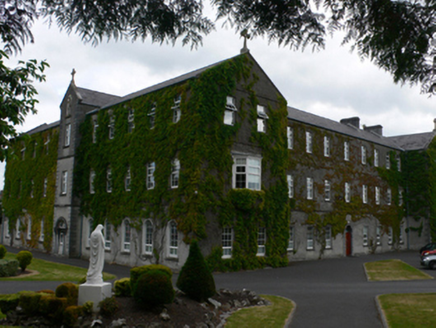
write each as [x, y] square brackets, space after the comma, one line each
[333, 83]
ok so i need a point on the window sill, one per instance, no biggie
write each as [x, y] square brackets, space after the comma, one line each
[172, 259]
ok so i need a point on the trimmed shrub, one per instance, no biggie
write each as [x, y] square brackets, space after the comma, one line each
[68, 290]
[153, 287]
[46, 291]
[9, 302]
[52, 307]
[29, 302]
[24, 259]
[108, 307]
[71, 314]
[122, 287]
[8, 268]
[135, 273]
[3, 252]
[88, 307]
[195, 278]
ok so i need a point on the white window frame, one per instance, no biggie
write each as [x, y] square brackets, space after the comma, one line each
[400, 197]
[378, 235]
[64, 183]
[17, 229]
[151, 167]
[107, 235]
[290, 180]
[67, 135]
[261, 241]
[109, 186]
[290, 137]
[309, 188]
[147, 236]
[346, 151]
[377, 195]
[261, 118]
[29, 228]
[130, 120]
[326, 146]
[44, 190]
[111, 127]
[126, 236]
[309, 143]
[250, 168]
[398, 163]
[310, 238]
[152, 117]
[94, 131]
[364, 194]
[177, 114]
[376, 158]
[363, 154]
[91, 182]
[388, 161]
[389, 196]
[227, 242]
[230, 111]
[47, 143]
[173, 240]
[328, 237]
[347, 192]
[41, 233]
[365, 236]
[400, 236]
[390, 235]
[128, 180]
[291, 238]
[327, 190]
[175, 173]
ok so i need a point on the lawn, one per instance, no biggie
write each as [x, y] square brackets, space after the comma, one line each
[409, 310]
[388, 270]
[50, 271]
[271, 316]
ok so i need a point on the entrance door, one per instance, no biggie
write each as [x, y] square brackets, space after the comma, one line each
[61, 243]
[348, 239]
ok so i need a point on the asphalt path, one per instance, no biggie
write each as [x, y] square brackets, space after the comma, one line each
[328, 293]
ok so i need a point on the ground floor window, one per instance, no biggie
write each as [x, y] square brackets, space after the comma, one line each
[126, 236]
[227, 242]
[41, 234]
[328, 237]
[309, 237]
[173, 240]
[17, 229]
[261, 241]
[148, 237]
[400, 236]
[107, 235]
[291, 239]
[379, 230]
[365, 236]
[90, 222]
[29, 228]
[390, 236]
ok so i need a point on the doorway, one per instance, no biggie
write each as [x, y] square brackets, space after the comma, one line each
[348, 241]
[60, 233]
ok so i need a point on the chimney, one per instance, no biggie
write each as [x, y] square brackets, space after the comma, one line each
[354, 121]
[434, 121]
[378, 129]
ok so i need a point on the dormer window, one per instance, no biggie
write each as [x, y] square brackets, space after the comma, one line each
[261, 119]
[177, 112]
[152, 116]
[230, 111]
[131, 120]
[68, 107]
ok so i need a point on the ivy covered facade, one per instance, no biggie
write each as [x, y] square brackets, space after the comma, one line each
[214, 155]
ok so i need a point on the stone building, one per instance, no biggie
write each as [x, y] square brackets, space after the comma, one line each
[216, 155]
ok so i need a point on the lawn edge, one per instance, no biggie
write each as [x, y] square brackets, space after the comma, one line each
[381, 313]
[368, 279]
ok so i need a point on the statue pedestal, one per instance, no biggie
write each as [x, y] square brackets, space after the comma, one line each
[94, 293]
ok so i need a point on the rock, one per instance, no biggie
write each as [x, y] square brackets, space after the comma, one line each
[245, 303]
[118, 323]
[201, 325]
[216, 304]
[97, 323]
[164, 315]
[224, 291]
[237, 304]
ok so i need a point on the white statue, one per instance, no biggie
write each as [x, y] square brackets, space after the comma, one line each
[96, 260]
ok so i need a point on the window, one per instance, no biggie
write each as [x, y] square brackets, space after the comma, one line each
[291, 239]
[46, 143]
[68, 107]
[328, 237]
[32, 185]
[44, 191]
[173, 240]
[227, 242]
[90, 224]
[35, 145]
[390, 233]
[64, 182]
[400, 236]
[127, 180]
[309, 238]
[41, 233]
[400, 197]
[107, 235]
[398, 163]
[261, 118]
[388, 161]
[388, 196]
[148, 237]
[94, 131]
[175, 172]
[247, 173]
[109, 180]
[152, 116]
[29, 228]
[326, 146]
[131, 120]
[177, 113]
[290, 186]
[365, 194]
[375, 157]
[150, 175]
[365, 236]
[67, 135]
[230, 111]
[377, 195]
[261, 241]
[363, 154]
[91, 182]
[17, 229]
[309, 188]
[111, 127]
[126, 236]
[308, 142]
[347, 192]
[346, 151]
[290, 137]
[7, 232]
[378, 237]
[327, 190]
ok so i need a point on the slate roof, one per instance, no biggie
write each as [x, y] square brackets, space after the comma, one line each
[95, 98]
[345, 129]
[416, 141]
[43, 127]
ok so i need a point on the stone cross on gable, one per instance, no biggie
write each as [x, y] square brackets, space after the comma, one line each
[246, 36]
[73, 73]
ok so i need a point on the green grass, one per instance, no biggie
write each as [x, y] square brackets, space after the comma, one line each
[388, 270]
[50, 271]
[271, 316]
[409, 310]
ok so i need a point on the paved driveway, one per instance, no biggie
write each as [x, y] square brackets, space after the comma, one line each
[328, 293]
